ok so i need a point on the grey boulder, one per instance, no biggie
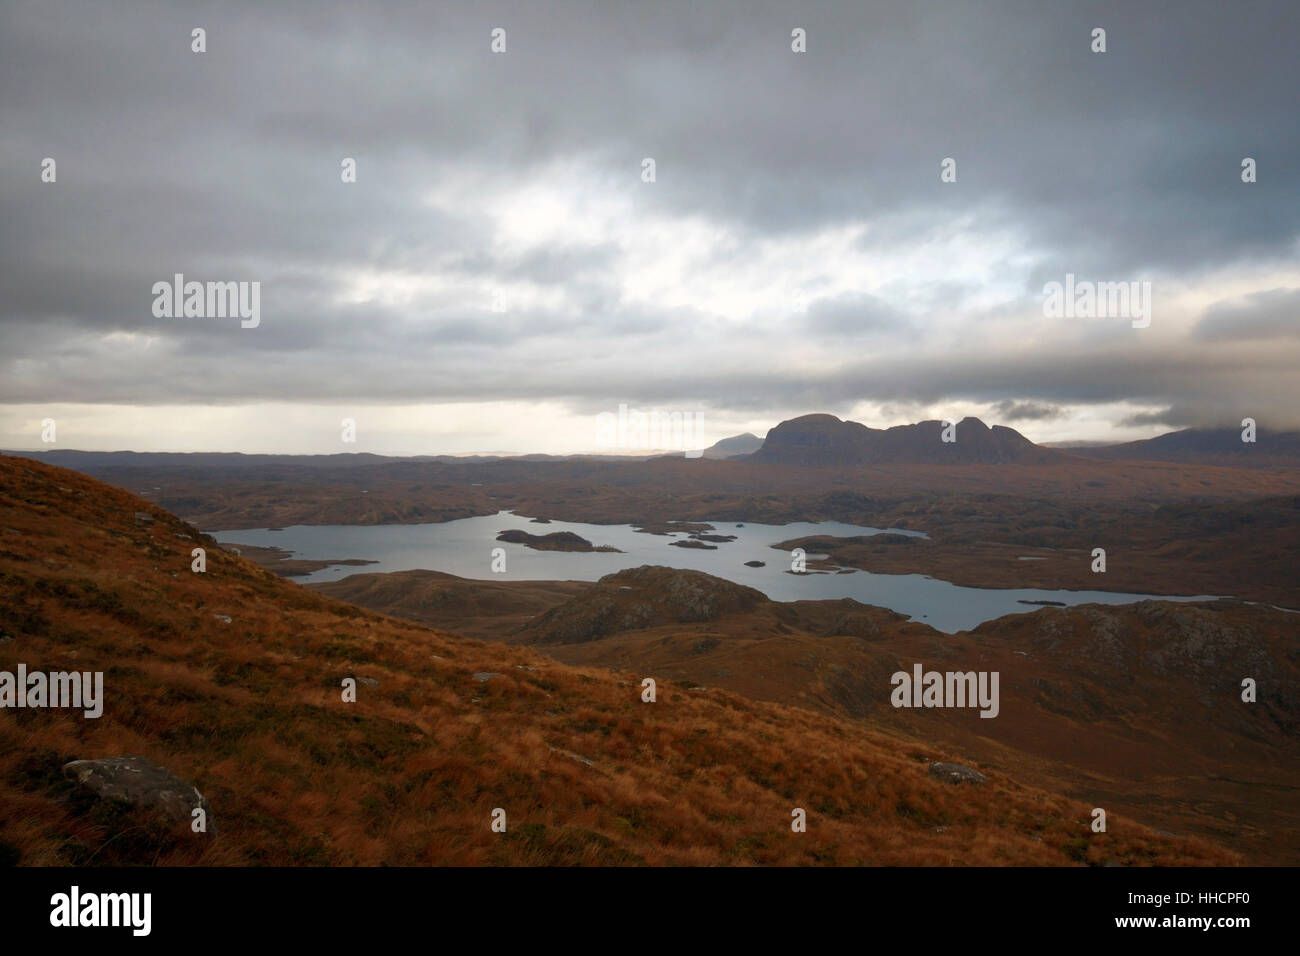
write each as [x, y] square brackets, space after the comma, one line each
[955, 773]
[141, 783]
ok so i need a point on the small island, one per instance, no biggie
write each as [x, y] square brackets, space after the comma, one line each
[284, 564]
[672, 527]
[555, 541]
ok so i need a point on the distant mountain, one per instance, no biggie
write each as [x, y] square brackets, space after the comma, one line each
[745, 444]
[1222, 446]
[826, 441]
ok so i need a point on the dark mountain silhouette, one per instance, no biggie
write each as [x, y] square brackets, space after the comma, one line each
[1220, 446]
[745, 444]
[826, 441]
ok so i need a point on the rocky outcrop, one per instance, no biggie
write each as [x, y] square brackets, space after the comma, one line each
[955, 773]
[141, 784]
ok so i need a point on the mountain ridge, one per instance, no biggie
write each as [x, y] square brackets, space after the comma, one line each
[822, 440]
[1207, 445]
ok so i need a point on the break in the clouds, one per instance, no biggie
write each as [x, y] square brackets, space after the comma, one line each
[501, 255]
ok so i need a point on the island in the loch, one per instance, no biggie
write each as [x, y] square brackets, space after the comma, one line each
[556, 541]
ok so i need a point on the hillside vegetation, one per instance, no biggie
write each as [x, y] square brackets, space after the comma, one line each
[1135, 707]
[249, 710]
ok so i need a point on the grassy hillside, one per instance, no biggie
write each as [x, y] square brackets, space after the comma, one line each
[250, 711]
[1135, 707]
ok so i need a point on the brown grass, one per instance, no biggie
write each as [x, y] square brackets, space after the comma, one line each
[588, 774]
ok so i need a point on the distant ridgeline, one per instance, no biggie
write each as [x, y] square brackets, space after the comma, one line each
[825, 441]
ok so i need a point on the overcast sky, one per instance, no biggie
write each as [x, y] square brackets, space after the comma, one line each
[501, 273]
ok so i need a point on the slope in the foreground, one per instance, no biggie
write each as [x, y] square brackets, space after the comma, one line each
[250, 711]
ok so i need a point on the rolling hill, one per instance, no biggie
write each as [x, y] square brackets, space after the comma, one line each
[1215, 446]
[231, 678]
[734, 446]
[1135, 706]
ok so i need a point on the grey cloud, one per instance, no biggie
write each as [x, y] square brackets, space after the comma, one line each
[1165, 416]
[1263, 315]
[854, 316]
[225, 166]
[1010, 411]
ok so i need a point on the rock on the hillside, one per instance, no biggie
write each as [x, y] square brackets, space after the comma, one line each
[955, 773]
[484, 676]
[141, 783]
